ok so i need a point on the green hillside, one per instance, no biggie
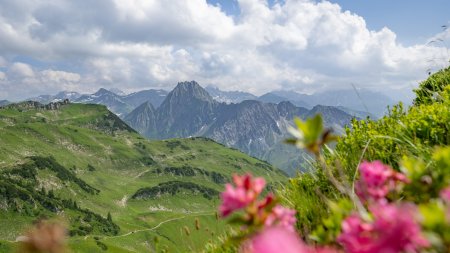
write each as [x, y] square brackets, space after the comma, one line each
[80, 163]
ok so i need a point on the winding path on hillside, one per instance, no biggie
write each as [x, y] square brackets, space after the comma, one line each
[152, 228]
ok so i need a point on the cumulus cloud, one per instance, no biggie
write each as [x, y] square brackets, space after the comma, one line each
[20, 70]
[3, 62]
[298, 44]
[22, 81]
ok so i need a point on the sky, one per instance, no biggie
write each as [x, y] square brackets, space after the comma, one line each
[255, 46]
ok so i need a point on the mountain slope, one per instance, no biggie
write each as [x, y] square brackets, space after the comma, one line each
[280, 96]
[359, 103]
[110, 99]
[83, 160]
[116, 101]
[185, 111]
[155, 97]
[143, 119]
[60, 96]
[360, 100]
[229, 96]
[251, 126]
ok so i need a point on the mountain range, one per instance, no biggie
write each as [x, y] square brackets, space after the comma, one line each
[116, 101]
[4, 102]
[252, 126]
[360, 103]
[229, 96]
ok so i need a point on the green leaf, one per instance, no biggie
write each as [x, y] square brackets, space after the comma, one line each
[433, 214]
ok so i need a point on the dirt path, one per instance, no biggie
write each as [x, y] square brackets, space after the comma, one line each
[141, 173]
[150, 229]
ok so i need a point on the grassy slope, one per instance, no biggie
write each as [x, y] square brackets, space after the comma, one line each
[72, 135]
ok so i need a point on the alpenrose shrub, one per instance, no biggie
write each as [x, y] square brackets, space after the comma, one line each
[377, 180]
[389, 227]
[392, 228]
[398, 200]
[266, 226]
[383, 225]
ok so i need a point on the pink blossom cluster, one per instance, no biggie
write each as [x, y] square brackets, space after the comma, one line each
[377, 180]
[277, 240]
[281, 216]
[393, 229]
[246, 192]
[275, 222]
[445, 194]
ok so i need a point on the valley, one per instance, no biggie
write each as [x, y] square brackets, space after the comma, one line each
[115, 189]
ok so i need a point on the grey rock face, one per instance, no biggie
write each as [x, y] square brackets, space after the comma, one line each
[155, 97]
[251, 126]
[143, 119]
[229, 97]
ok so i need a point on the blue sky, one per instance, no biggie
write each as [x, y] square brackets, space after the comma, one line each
[413, 21]
[249, 45]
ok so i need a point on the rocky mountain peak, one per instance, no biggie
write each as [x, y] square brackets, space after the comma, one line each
[286, 105]
[190, 90]
[147, 106]
[103, 91]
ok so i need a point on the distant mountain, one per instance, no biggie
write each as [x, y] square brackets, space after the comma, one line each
[185, 112]
[118, 91]
[229, 96]
[251, 126]
[358, 103]
[71, 95]
[356, 113]
[291, 96]
[116, 100]
[156, 97]
[143, 119]
[103, 96]
[4, 102]
[332, 116]
[61, 96]
[360, 100]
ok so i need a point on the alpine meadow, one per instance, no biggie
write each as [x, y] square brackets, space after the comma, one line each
[224, 126]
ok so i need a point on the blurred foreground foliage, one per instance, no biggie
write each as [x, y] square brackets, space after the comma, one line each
[413, 140]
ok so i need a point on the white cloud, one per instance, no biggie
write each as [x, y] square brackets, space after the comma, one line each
[59, 76]
[3, 62]
[22, 81]
[21, 70]
[299, 44]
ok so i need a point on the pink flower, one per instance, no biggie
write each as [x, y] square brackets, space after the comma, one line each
[246, 191]
[278, 239]
[274, 240]
[377, 180]
[324, 250]
[281, 216]
[394, 229]
[445, 194]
